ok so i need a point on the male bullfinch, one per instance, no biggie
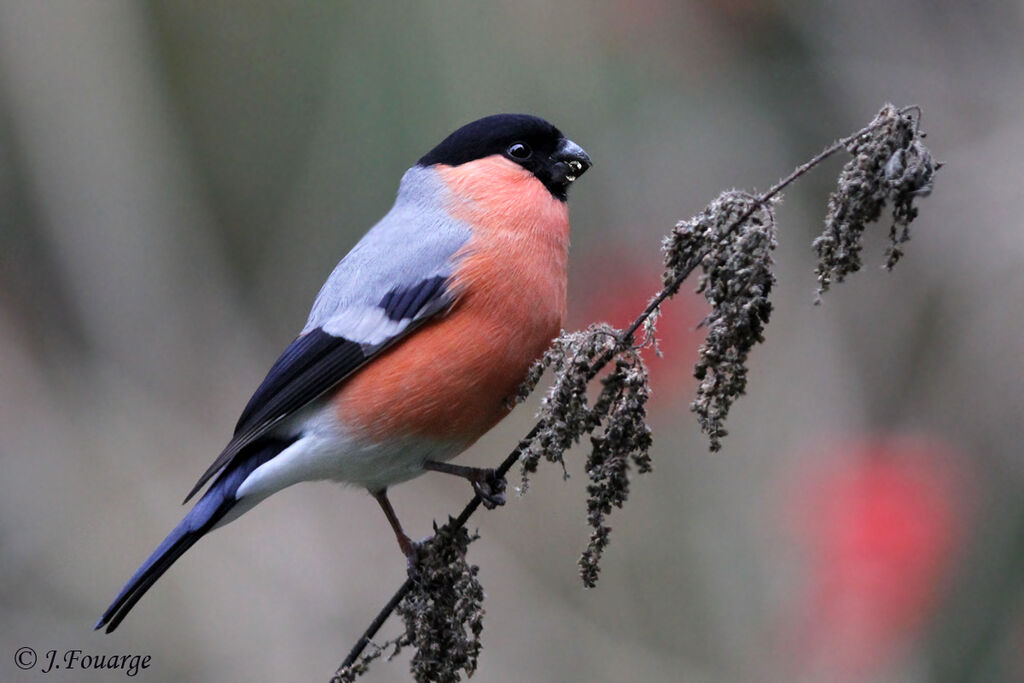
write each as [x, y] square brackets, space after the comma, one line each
[416, 341]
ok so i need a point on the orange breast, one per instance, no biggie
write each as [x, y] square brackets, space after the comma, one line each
[450, 379]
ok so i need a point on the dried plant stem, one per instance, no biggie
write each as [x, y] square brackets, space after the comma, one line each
[669, 290]
[375, 625]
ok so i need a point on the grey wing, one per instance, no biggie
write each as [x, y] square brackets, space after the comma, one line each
[380, 293]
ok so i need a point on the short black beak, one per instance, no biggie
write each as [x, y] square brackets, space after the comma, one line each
[571, 160]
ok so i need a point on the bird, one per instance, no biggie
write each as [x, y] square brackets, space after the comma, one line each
[416, 342]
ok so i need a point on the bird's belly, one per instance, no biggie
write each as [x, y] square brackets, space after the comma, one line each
[449, 382]
[327, 450]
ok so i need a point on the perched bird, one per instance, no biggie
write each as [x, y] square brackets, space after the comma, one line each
[416, 341]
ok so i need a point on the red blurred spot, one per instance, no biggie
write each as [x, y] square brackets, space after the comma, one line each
[882, 528]
[614, 287]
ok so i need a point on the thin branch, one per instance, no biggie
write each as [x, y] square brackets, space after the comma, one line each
[626, 338]
[375, 625]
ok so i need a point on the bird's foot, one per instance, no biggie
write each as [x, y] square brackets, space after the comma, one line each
[488, 485]
[491, 489]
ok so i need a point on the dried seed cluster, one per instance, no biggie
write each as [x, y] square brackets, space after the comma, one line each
[444, 612]
[565, 413]
[348, 674]
[733, 238]
[623, 438]
[617, 422]
[889, 163]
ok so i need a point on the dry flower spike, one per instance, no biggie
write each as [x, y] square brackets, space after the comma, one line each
[617, 423]
[890, 164]
[444, 613]
[622, 441]
[565, 414]
[732, 239]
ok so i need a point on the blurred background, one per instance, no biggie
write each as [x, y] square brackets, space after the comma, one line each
[178, 177]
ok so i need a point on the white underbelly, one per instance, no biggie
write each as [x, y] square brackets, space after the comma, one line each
[325, 450]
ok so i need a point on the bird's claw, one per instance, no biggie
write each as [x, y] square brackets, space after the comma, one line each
[491, 490]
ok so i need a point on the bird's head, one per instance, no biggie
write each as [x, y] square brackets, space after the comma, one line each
[528, 141]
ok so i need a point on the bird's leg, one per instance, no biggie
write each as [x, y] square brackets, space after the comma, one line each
[404, 542]
[487, 484]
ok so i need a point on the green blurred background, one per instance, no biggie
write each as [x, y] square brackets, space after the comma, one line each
[178, 177]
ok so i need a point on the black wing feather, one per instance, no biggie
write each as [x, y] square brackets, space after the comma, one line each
[306, 353]
[311, 365]
[403, 302]
[318, 361]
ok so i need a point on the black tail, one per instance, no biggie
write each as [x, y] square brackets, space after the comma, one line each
[208, 510]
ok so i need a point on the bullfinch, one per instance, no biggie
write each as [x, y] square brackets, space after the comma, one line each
[416, 342]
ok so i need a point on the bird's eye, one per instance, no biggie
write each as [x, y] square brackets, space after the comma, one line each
[519, 150]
